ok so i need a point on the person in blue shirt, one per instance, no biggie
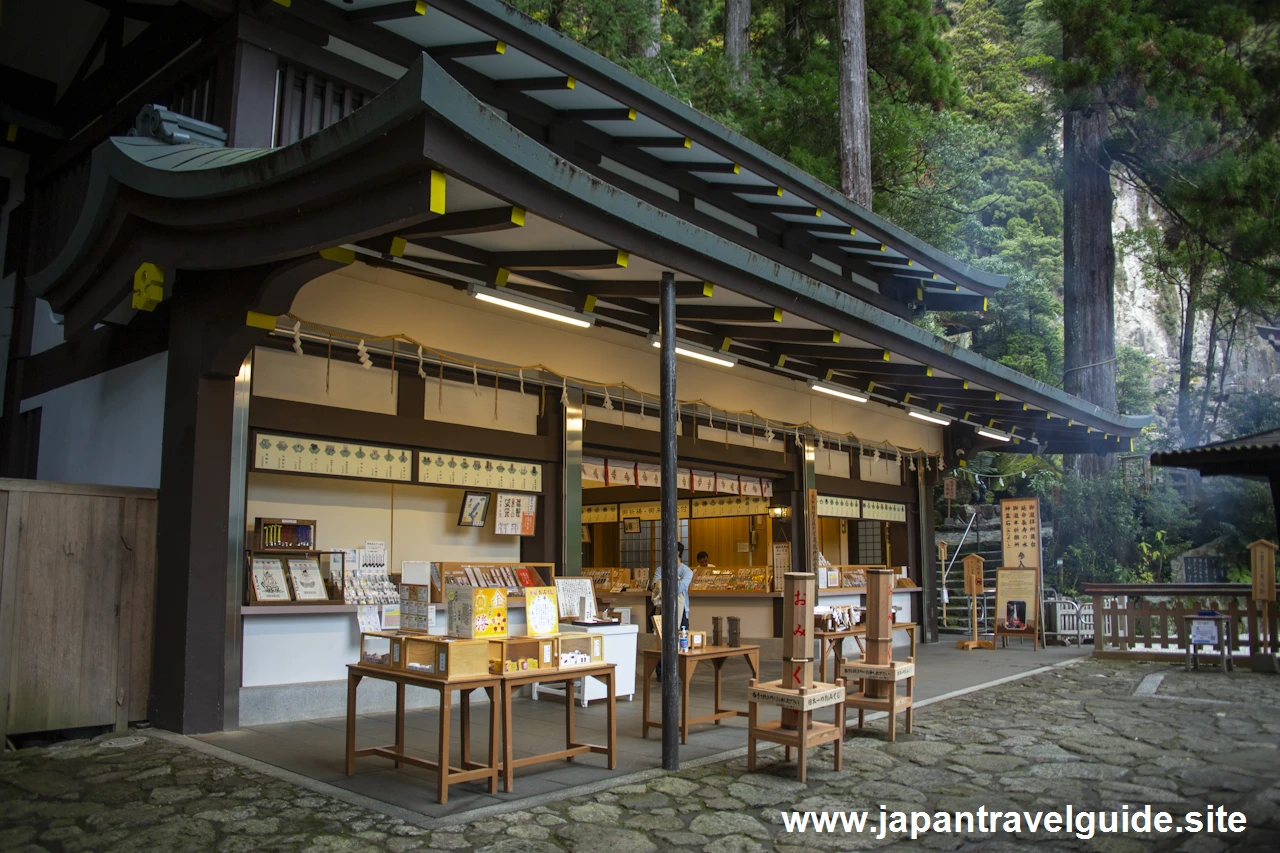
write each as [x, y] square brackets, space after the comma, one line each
[684, 577]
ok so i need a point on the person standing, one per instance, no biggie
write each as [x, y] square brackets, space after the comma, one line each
[684, 576]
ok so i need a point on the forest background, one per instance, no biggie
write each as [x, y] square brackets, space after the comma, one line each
[967, 106]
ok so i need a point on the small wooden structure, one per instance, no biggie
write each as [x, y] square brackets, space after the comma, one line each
[973, 587]
[796, 693]
[1220, 645]
[877, 674]
[77, 605]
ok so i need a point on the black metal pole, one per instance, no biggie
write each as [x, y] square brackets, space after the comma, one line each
[670, 529]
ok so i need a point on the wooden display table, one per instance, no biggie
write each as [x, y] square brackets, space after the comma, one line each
[1222, 648]
[447, 773]
[513, 681]
[895, 672]
[688, 662]
[809, 733]
[833, 642]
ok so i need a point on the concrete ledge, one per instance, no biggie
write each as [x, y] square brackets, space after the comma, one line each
[287, 703]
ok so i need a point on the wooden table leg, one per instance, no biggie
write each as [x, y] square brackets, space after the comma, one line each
[803, 745]
[823, 646]
[753, 661]
[442, 784]
[753, 719]
[649, 667]
[508, 772]
[838, 758]
[495, 709]
[687, 666]
[893, 711]
[837, 648]
[464, 716]
[611, 720]
[399, 721]
[353, 681]
[568, 715]
[718, 664]
[911, 694]
[911, 633]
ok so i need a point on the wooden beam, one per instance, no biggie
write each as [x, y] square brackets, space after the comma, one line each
[481, 221]
[390, 12]
[835, 353]
[767, 333]
[653, 141]
[729, 314]
[536, 84]
[469, 50]
[598, 114]
[563, 259]
[780, 208]
[749, 189]
[708, 168]
[954, 302]
[644, 289]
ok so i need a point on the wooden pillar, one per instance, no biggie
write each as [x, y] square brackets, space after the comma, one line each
[879, 638]
[550, 539]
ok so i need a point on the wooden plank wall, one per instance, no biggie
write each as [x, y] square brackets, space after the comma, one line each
[77, 599]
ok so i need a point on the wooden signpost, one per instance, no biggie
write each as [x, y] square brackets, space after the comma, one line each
[1262, 562]
[796, 693]
[973, 587]
[1020, 534]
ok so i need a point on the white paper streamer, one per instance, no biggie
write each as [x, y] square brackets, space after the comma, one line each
[297, 338]
[422, 374]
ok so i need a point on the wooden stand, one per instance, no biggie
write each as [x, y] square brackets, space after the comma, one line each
[1262, 559]
[973, 587]
[877, 674]
[797, 694]
[686, 663]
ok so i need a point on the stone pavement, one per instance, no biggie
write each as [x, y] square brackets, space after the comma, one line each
[1093, 735]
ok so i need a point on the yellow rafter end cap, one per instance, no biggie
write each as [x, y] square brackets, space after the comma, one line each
[284, 3]
[935, 276]
[500, 47]
[777, 315]
[966, 385]
[910, 262]
[782, 359]
[907, 398]
[829, 374]
[624, 258]
[1013, 430]
[997, 396]
[1131, 444]
[725, 344]
[991, 423]
[885, 355]
[984, 303]
[589, 304]
[398, 245]
[852, 231]
[1106, 436]
[835, 337]
[1071, 422]
[438, 184]
[688, 143]
[339, 254]
[964, 464]
[817, 211]
[420, 8]
[500, 279]
[258, 320]
[871, 386]
[11, 133]
[966, 416]
[938, 408]
[778, 192]
[919, 293]
[570, 83]
[631, 115]
[1024, 407]
[517, 216]
[708, 288]
[736, 169]
[148, 287]
[883, 247]
[1088, 430]
[1048, 416]
[928, 371]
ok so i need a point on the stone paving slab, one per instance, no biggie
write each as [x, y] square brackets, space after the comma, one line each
[1076, 735]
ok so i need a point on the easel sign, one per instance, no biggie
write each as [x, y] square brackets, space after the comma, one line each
[1020, 531]
[1018, 603]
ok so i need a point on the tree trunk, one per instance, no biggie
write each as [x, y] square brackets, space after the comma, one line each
[855, 111]
[1195, 278]
[1089, 261]
[554, 13]
[654, 45]
[737, 48]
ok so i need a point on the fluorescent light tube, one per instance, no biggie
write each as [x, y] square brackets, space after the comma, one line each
[836, 391]
[702, 355]
[998, 436]
[940, 420]
[530, 306]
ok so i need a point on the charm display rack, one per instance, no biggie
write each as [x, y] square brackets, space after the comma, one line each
[796, 693]
[279, 541]
[877, 675]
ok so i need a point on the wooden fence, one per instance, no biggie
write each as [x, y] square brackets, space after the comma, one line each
[77, 605]
[1129, 625]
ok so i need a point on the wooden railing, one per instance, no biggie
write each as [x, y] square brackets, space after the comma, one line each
[1145, 621]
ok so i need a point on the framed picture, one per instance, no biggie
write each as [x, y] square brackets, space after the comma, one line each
[630, 525]
[657, 628]
[305, 578]
[269, 583]
[475, 509]
[697, 639]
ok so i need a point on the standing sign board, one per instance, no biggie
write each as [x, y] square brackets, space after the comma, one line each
[1020, 529]
[1018, 603]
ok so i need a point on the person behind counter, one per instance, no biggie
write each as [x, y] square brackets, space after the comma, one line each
[703, 561]
[684, 576]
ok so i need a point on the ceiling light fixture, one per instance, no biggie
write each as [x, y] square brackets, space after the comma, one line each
[534, 306]
[838, 391]
[940, 420]
[989, 433]
[723, 359]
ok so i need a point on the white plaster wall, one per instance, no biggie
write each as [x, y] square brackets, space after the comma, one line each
[376, 302]
[105, 429]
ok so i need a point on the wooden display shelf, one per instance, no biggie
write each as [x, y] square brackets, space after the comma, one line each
[297, 608]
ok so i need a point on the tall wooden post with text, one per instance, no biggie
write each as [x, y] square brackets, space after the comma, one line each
[1262, 562]
[796, 693]
[877, 674]
[974, 586]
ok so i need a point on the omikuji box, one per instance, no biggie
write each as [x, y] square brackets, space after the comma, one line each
[415, 604]
[476, 612]
[581, 649]
[446, 657]
[382, 648]
[520, 654]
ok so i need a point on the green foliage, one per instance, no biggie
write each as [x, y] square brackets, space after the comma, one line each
[1248, 414]
[1134, 395]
